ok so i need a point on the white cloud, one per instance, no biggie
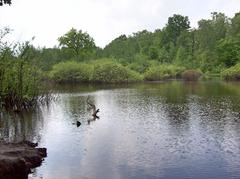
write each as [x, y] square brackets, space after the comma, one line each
[104, 20]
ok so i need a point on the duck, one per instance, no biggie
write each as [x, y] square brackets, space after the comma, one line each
[78, 123]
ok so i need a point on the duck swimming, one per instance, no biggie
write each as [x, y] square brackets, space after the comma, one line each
[78, 123]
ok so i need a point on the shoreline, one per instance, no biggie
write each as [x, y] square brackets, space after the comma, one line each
[17, 159]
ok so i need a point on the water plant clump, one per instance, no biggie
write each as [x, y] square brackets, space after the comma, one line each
[20, 77]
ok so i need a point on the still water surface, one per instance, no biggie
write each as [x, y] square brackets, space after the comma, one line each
[171, 130]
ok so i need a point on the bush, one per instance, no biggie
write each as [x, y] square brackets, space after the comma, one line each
[142, 66]
[113, 72]
[71, 72]
[191, 75]
[163, 72]
[19, 85]
[232, 73]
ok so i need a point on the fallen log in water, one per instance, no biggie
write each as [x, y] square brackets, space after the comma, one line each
[93, 107]
[17, 159]
[94, 113]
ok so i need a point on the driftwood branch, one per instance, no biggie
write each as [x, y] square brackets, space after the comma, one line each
[94, 110]
[93, 107]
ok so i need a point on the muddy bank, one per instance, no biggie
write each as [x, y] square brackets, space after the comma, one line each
[17, 159]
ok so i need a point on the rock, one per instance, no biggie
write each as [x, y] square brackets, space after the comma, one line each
[17, 159]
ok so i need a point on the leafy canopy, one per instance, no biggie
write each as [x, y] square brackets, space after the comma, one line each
[175, 26]
[80, 42]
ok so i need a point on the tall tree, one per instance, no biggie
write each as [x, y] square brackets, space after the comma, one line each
[175, 26]
[79, 42]
[235, 25]
[212, 30]
[229, 51]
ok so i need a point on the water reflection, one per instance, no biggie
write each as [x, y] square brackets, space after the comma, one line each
[21, 126]
[155, 130]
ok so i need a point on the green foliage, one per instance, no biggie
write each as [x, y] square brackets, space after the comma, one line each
[127, 47]
[178, 44]
[71, 72]
[235, 25]
[80, 43]
[175, 26]
[211, 47]
[163, 72]
[112, 72]
[212, 30]
[141, 63]
[232, 73]
[19, 77]
[103, 71]
[229, 51]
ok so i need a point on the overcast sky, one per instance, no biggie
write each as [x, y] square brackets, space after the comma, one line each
[104, 20]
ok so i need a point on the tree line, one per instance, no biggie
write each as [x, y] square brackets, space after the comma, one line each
[212, 48]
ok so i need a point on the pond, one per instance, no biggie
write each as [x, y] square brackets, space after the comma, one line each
[169, 130]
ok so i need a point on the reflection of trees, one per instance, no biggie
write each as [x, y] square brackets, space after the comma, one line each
[76, 105]
[77, 109]
[178, 92]
[172, 92]
[21, 126]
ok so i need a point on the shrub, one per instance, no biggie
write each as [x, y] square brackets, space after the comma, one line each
[163, 72]
[191, 75]
[142, 66]
[113, 72]
[232, 73]
[19, 85]
[71, 72]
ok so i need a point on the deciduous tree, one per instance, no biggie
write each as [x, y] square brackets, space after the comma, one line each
[79, 42]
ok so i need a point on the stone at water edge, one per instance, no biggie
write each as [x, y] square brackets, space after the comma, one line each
[17, 159]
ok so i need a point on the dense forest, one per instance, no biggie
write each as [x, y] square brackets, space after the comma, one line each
[211, 49]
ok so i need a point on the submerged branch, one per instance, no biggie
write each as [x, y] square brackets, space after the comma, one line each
[94, 112]
[93, 107]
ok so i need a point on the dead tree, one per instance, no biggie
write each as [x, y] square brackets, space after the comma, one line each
[93, 107]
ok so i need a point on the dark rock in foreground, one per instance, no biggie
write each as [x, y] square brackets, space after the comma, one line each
[17, 159]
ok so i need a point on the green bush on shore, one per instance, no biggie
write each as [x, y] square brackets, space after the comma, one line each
[71, 72]
[232, 73]
[112, 72]
[19, 85]
[163, 72]
[102, 71]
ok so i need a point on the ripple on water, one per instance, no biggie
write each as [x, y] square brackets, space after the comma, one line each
[168, 130]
